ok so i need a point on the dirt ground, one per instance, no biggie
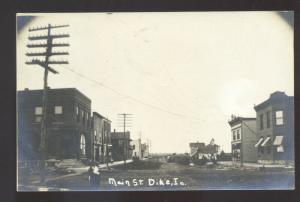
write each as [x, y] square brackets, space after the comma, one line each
[172, 176]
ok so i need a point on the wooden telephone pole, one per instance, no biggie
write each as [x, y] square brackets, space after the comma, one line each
[44, 63]
[126, 121]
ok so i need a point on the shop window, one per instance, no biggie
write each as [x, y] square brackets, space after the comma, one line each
[269, 150]
[279, 117]
[82, 144]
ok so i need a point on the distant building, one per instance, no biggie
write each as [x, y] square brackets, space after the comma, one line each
[137, 148]
[196, 148]
[145, 150]
[275, 129]
[199, 150]
[68, 124]
[243, 137]
[101, 138]
[121, 147]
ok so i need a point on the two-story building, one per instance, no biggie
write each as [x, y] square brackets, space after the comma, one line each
[121, 147]
[68, 124]
[275, 129]
[243, 137]
[101, 140]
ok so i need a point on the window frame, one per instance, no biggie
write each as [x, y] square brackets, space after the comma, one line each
[261, 120]
[61, 111]
[279, 118]
[268, 116]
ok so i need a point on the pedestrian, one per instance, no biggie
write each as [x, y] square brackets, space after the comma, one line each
[90, 173]
[96, 175]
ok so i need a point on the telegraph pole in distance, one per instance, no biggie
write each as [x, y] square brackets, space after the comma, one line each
[126, 119]
[44, 63]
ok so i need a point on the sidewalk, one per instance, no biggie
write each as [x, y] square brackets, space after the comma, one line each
[255, 165]
[79, 171]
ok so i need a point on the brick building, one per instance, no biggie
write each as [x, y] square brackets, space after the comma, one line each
[102, 138]
[275, 129]
[121, 145]
[68, 124]
[243, 137]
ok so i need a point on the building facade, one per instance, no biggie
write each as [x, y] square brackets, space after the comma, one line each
[145, 150]
[101, 140]
[121, 147]
[275, 129]
[243, 137]
[68, 124]
[137, 148]
[195, 148]
[198, 150]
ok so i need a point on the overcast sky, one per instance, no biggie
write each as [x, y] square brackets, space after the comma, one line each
[181, 75]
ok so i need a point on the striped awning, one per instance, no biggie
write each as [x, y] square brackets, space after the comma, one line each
[278, 140]
[259, 142]
[194, 152]
[265, 142]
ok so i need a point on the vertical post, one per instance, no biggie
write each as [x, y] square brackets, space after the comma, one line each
[124, 142]
[44, 108]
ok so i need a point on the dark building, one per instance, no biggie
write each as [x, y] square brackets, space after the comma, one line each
[275, 129]
[68, 124]
[243, 137]
[102, 138]
[121, 146]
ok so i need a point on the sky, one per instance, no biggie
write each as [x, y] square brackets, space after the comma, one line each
[182, 75]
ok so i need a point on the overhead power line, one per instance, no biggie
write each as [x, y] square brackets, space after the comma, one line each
[132, 98]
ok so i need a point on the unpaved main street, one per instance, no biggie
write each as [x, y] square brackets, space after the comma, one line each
[157, 174]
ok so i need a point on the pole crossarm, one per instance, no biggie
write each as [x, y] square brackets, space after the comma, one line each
[42, 64]
[46, 27]
[43, 45]
[48, 36]
[45, 53]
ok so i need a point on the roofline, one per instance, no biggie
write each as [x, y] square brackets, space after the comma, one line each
[240, 119]
[101, 116]
[74, 89]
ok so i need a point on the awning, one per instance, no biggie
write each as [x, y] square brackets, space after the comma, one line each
[259, 142]
[265, 142]
[278, 140]
[194, 152]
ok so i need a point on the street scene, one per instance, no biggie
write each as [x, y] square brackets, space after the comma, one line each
[156, 173]
[110, 107]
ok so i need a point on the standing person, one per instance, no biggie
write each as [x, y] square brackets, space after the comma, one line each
[90, 173]
[96, 175]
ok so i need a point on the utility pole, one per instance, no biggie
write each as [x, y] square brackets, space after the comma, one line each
[44, 63]
[126, 119]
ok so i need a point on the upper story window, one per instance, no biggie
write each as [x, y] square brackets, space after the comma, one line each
[279, 117]
[76, 110]
[38, 110]
[58, 110]
[261, 119]
[268, 119]
[238, 134]
[233, 135]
